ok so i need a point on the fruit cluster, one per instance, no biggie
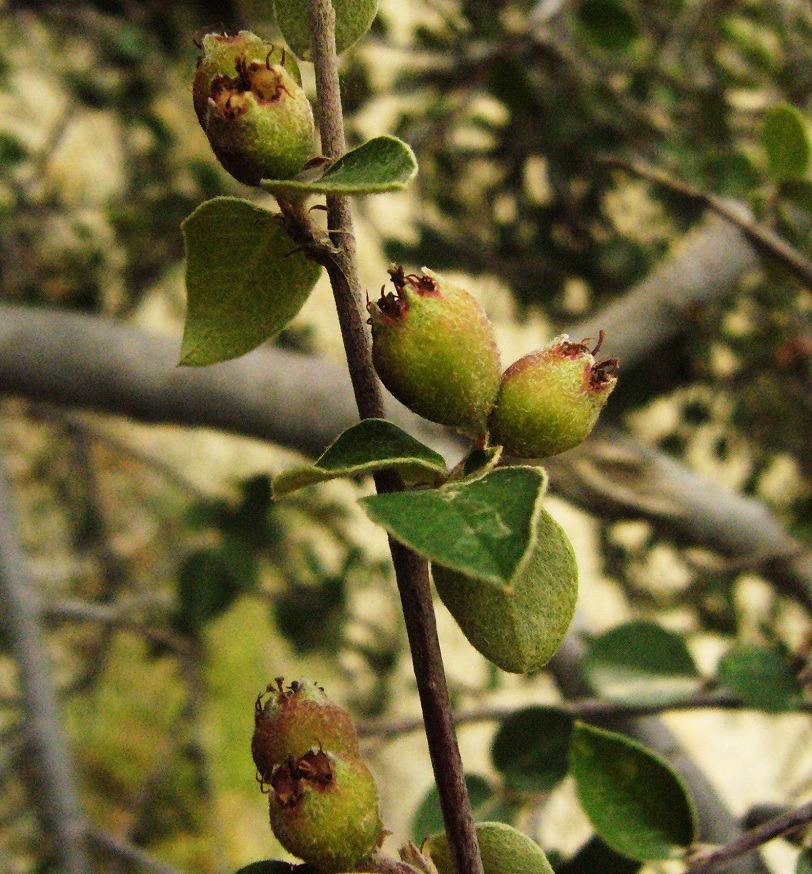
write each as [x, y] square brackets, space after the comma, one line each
[322, 797]
[434, 349]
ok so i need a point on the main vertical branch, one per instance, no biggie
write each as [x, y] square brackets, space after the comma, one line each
[410, 569]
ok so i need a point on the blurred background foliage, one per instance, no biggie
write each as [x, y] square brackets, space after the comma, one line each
[173, 591]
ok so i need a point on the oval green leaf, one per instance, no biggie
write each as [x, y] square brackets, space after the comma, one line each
[428, 817]
[804, 863]
[244, 280]
[483, 528]
[641, 663]
[519, 626]
[634, 800]
[353, 20]
[761, 677]
[786, 138]
[531, 748]
[369, 446]
[379, 165]
[504, 849]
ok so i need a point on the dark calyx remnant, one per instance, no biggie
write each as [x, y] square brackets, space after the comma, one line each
[313, 769]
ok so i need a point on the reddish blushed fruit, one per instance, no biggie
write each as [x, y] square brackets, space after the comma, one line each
[295, 719]
[255, 114]
[433, 348]
[324, 810]
[549, 401]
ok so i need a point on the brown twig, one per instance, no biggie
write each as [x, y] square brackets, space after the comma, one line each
[411, 570]
[762, 239]
[752, 840]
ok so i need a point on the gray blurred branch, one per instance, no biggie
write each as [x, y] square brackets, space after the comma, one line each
[54, 793]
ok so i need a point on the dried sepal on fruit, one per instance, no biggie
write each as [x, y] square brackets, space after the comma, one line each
[295, 719]
[434, 349]
[255, 113]
[550, 400]
[324, 809]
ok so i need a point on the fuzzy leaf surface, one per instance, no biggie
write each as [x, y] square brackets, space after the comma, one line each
[634, 800]
[518, 626]
[369, 446]
[482, 528]
[641, 663]
[244, 280]
[353, 19]
[381, 164]
[504, 849]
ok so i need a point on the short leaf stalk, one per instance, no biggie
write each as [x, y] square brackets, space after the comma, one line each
[410, 569]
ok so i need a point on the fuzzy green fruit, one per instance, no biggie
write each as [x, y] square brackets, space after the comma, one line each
[504, 849]
[324, 809]
[549, 400]
[255, 113]
[295, 719]
[433, 348]
[518, 627]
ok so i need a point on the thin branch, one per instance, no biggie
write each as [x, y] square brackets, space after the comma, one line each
[761, 238]
[595, 710]
[752, 840]
[55, 792]
[116, 616]
[411, 571]
[129, 852]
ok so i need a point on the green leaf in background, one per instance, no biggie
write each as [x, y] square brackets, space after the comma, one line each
[797, 192]
[380, 164]
[634, 800]
[607, 24]
[483, 528]
[428, 817]
[804, 863]
[353, 20]
[531, 748]
[786, 138]
[367, 447]
[520, 626]
[244, 280]
[504, 849]
[641, 663]
[209, 580]
[761, 677]
[597, 857]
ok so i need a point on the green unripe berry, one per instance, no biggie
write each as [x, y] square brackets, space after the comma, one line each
[433, 348]
[518, 627]
[549, 401]
[294, 720]
[255, 113]
[324, 810]
[504, 849]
